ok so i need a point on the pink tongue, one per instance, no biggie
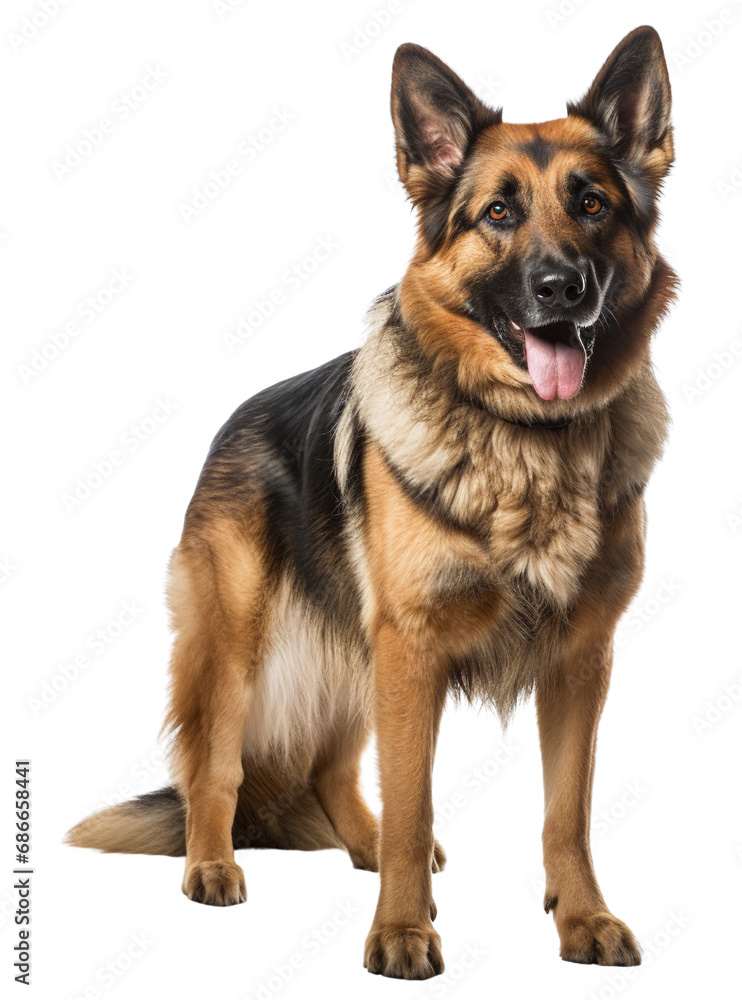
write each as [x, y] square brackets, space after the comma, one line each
[556, 369]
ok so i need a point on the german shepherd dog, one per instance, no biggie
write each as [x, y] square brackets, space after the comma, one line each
[456, 506]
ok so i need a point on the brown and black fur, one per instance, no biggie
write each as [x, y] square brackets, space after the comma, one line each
[412, 519]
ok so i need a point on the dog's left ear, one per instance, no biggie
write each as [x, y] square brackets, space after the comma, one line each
[630, 102]
[436, 117]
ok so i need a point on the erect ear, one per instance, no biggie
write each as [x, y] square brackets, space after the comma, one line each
[630, 102]
[436, 116]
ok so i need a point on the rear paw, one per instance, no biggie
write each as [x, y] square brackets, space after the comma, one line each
[403, 952]
[598, 939]
[216, 883]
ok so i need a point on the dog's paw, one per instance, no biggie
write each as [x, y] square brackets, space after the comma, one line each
[404, 952]
[216, 883]
[598, 939]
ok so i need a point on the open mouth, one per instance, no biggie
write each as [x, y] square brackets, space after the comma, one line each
[555, 355]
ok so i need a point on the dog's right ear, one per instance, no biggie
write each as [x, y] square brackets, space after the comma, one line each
[435, 116]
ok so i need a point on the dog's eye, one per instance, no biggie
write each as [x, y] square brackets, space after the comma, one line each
[498, 211]
[592, 204]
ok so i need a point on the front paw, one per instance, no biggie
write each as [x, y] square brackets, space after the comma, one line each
[597, 939]
[216, 883]
[404, 952]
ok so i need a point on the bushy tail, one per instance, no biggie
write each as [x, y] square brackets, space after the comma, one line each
[151, 824]
[272, 811]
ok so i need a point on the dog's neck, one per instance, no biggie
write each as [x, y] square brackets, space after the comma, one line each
[426, 425]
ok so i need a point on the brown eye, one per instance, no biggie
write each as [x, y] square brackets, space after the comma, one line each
[498, 211]
[592, 204]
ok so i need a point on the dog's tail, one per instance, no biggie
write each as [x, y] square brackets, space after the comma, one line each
[152, 824]
[272, 811]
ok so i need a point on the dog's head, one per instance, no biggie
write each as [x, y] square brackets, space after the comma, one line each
[535, 247]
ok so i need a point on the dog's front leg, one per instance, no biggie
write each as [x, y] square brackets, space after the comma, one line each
[410, 690]
[568, 713]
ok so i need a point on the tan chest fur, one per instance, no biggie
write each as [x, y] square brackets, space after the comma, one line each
[546, 524]
[493, 500]
[483, 538]
[496, 527]
[494, 594]
[506, 504]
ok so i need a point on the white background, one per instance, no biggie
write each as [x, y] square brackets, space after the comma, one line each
[669, 845]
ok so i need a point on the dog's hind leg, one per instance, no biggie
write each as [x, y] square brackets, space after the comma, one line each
[216, 597]
[337, 786]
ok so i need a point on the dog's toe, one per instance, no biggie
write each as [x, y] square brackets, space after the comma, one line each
[598, 939]
[404, 952]
[216, 883]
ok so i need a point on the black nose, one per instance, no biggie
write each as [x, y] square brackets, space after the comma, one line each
[559, 287]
